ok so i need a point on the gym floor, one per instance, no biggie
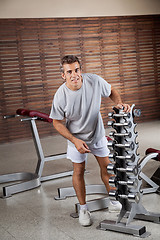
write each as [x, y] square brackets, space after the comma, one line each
[36, 215]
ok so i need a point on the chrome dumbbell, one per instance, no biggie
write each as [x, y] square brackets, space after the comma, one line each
[127, 158]
[115, 124]
[126, 134]
[130, 183]
[131, 197]
[136, 113]
[123, 114]
[128, 145]
[129, 170]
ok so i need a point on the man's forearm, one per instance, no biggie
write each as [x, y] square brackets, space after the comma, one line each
[58, 125]
[79, 144]
[115, 96]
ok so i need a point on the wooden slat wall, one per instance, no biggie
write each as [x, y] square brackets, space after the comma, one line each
[123, 50]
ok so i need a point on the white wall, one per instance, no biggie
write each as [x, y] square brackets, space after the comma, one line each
[76, 8]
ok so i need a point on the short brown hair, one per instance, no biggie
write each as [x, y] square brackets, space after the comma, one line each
[69, 59]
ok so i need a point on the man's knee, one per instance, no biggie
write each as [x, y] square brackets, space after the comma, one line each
[78, 169]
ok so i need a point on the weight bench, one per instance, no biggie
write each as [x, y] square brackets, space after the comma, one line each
[32, 180]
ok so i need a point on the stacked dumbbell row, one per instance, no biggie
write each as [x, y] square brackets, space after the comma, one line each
[124, 157]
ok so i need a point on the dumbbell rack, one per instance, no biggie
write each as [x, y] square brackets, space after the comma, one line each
[125, 175]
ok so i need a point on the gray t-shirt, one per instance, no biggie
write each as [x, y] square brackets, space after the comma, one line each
[81, 108]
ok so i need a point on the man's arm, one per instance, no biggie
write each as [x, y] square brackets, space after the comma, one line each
[116, 98]
[79, 144]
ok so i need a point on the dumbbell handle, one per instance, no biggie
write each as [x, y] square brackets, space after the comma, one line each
[136, 113]
[127, 157]
[121, 145]
[115, 124]
[126, 134]
[132, 197]
[112, 114]
[130, 183]
[126, 145]
[128, 170]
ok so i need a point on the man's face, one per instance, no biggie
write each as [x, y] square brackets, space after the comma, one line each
[72, 76]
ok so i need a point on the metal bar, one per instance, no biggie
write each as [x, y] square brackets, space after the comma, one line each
[149, 181]
[138, 231]
[38, 146]
[12, 177]
[33, 181]
[151, 217]
[144, 160]
[56, 175]
[11, 116]
[29, 119]
[63, 193]
[149, 190]
[20, 187]
[55, 157]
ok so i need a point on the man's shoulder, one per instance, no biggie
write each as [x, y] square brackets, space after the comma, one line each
[60, 93]
[90, 75]
[61, 89]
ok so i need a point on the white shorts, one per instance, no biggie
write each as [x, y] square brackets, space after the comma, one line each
[98, 149]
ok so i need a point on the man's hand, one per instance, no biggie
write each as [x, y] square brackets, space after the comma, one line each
[116, 98]
[81, 146]
[126, 107]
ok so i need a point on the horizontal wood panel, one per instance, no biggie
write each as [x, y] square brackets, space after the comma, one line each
[125, 51]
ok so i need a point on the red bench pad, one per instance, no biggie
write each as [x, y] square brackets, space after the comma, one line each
[33, 113]
[23, 112]
[43, 116]
[152, 150]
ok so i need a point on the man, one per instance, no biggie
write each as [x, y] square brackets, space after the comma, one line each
[78, 101]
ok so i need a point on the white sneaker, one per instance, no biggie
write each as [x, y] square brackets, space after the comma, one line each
[115, 206]
[85, 218]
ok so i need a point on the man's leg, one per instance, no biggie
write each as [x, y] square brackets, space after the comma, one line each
[79, 186]
[103, 163]
[78, 181]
